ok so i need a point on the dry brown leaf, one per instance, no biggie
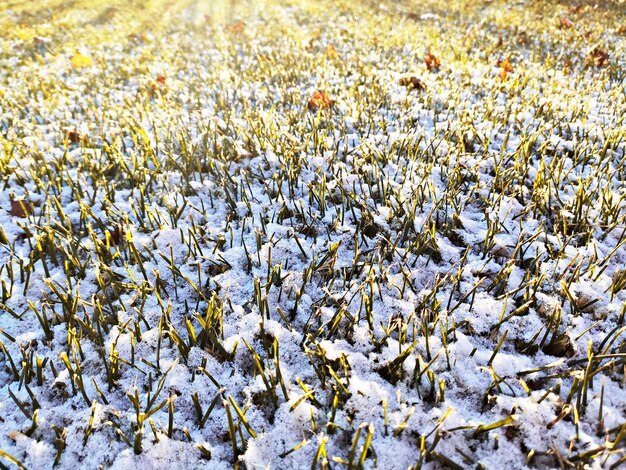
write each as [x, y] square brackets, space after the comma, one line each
[522, 38]
[577, 9]
[598, 58]
[565, 23]
[21, 208]
[115, 236]
[413, 83]
[74, 137]
[432, 62]
[237, 27]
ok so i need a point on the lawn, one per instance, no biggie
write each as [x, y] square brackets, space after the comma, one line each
[312, 234]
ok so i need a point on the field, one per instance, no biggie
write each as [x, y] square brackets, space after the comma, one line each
[312, 234]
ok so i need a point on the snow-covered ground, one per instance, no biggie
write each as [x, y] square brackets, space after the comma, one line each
[312, 235]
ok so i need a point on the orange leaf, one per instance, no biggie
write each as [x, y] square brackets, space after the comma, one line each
[432, 62]
[506, 65]
[237, 27]
[331, 52]
[565, 23]
[621, 29]
[505, 68]
[80, 61]
[319, 100]
[158, 85]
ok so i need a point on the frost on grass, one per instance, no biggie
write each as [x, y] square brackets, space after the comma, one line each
[314, 235]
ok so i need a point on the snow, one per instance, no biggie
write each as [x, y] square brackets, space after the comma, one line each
[479, 387]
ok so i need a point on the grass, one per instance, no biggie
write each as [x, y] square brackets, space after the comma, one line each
[312, 234]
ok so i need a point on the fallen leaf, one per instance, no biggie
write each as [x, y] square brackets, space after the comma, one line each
[412, 82]
[621, 29]
[432, 62]
[331, 52]
[598, 58]
[158, 85]
[237, 27]
[21, 208]
[522, 38]
[115, 236]
[505, 68]
[80, 61]
[565, 23]
[588, 33]
[560, 346]
[506, 65]
[319, 100]
[138, 37]
[74, 136]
